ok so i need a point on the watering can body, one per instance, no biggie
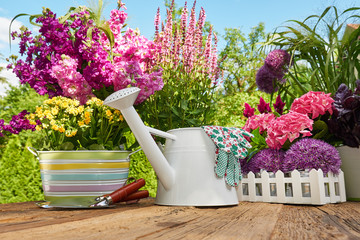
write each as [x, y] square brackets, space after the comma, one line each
[192, 156]
[186, 167]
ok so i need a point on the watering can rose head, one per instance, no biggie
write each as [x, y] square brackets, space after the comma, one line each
[80, 57]
[67, 125]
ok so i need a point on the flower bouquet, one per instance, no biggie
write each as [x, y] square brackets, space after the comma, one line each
[79, 56]
[289, 142]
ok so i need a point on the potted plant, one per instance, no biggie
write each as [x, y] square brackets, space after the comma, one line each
[81, 155]
[81, 56]
[345, 125]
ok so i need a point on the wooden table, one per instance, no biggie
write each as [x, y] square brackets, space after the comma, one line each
[144, 220]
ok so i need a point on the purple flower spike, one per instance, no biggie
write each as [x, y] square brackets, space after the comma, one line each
[279, 105]
[309, 153]
[249, 111]
[264, 107]
[266, 80]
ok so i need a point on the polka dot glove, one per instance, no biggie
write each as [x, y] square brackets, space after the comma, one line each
[231, 147]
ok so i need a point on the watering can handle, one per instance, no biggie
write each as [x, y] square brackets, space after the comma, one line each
[133, 153]
[160, 133]
[33, 151]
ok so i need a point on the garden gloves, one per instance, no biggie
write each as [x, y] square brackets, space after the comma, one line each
[231, 147]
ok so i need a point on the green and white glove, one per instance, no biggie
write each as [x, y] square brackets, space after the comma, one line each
[231, 147]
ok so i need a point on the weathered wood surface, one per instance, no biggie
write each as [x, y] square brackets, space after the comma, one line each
[145, 220]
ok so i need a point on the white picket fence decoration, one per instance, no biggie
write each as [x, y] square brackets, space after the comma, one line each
[304, 187]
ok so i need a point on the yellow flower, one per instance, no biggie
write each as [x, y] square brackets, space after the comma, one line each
[87, 114]
[87, 120]
[55, 127]
[54, 111]
[108, 113]
[121, 118]
[38, 111]
[70, 133]
[81, 109]
[61, 129]
[64, 104]
[38, 128]
[81, 123]
[32, 122]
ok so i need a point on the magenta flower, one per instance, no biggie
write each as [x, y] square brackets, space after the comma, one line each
[310, 154]
[248, 111]
[313, 104]
[261, 121]
[263, 107]
[279, 105]
[63, 60]
[288, 127]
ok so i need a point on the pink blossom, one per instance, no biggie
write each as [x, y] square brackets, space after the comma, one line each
[288, 127]
[70, 80]
[248, 111]
[261, 121]
[263, 106]
[313, 104]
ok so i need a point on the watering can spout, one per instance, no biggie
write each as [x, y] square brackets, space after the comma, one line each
[123, 100]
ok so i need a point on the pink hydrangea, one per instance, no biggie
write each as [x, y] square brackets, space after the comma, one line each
[261, 121]
[313, 104]
[288, 127]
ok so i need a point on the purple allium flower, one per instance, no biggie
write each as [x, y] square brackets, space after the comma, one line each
[279, 105]
[309, 153]
[266, 80]
[244, 166]
[267, 159]
[278, 61]
[248, 111]
[263, 107]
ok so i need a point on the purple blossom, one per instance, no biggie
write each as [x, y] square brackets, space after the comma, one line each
[311, 153]
[266, 80]
[17, 124]
[263, 107]
[278, 61]
[267, 159]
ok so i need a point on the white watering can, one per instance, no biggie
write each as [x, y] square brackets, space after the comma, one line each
[185, 168]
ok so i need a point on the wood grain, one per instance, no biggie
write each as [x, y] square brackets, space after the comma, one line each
[145, 220]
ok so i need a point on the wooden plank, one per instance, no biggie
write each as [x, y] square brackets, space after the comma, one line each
[248, 220]
[331, 221]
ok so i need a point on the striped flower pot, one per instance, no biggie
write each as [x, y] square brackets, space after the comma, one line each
[75, 178]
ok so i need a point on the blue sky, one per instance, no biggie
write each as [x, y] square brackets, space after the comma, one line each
[243, 14]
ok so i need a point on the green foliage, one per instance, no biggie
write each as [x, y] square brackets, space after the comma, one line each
[243, 58]
[140, 167]
[258, 143]
[322, 59]
[229, 109]
[19, 98]
[20, 173]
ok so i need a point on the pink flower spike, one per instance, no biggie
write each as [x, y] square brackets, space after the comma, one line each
[264, 107]
[249, 111]
[279, 105]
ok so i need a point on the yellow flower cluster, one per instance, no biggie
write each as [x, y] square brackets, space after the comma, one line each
[67, 116]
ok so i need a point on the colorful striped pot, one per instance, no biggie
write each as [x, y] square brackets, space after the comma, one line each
[75, 178]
